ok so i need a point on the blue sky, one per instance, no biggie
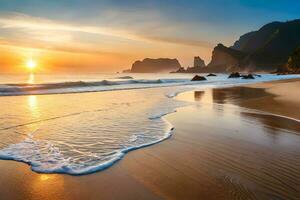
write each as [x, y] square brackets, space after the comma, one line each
[136, 29]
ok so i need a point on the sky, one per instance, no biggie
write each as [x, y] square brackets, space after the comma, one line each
[108, 36]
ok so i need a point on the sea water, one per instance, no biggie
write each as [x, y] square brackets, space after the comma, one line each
[80, 124]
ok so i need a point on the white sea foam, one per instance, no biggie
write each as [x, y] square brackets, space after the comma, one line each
[44, 157]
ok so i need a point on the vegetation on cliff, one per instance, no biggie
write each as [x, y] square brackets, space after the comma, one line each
[293, 64]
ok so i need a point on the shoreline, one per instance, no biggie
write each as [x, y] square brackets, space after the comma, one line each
[122, 153]
[171, 169]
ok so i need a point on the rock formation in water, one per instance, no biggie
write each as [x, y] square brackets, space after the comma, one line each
[198, 62]
[180, 70]
[126, 71]
[234, 75]
[149, 65]
[198, 78]
[225, 59]
[243, 76]
[125, 77]
[248, 76]
[210, 74]
[198, 65]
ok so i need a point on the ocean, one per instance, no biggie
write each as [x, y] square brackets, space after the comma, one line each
[80, 124]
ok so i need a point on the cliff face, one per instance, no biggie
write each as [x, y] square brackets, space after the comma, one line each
[199, 65]
[149, 65]
[261, 50]
[272, 45]
[198, 62]
[250, 42]
[293, 64]
[241, 44]
[225, 59]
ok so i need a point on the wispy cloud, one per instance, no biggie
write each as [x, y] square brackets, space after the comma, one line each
[19, 20]
[183, 41]
[9, 20]
[62, 48]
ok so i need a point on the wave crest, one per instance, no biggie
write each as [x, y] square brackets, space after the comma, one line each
[80, 86]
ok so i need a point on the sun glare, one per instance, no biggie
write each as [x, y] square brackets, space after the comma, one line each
[31, 64]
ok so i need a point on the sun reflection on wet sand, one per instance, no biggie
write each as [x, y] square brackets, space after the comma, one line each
[32, 102]
[45, 177]
[46, 185]
[33, 107]
[34, 110]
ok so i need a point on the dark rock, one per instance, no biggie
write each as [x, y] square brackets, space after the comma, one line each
[198, 67]
[199, 78]
[180, 70]
[126, 71]
[292, 66]
[149, 65]
[261, 50]
[125, 77]
[270, 46]
[198, 62]
[211, 74]
[249, 76]
[225, 59]
[234, 75]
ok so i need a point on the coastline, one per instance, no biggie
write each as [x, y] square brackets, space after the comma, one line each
[173, 169]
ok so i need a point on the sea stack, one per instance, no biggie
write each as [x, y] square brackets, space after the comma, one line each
[198, 62]
[149, 65]
[225, 59]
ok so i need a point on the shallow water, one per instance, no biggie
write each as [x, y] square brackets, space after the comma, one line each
[87, 132]
[81, 133]
[255, 154]
[13, 85]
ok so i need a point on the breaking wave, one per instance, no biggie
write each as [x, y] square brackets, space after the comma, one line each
[82, 86]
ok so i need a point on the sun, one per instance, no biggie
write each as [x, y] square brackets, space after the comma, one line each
[31, 64]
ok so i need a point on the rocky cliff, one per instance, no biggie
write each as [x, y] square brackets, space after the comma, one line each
[149, 65]
[261, 50]
[293, 64]
[198, 62]
[225, 59]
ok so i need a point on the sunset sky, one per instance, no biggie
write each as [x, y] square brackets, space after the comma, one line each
[103, 36]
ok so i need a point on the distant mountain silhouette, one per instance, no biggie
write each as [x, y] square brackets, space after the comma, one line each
[149, 65]
[262, 50]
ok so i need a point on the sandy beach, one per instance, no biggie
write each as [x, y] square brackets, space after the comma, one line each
[220, 149]
[149, 100]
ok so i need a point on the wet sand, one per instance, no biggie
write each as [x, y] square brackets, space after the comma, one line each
[219, 150]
